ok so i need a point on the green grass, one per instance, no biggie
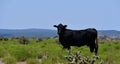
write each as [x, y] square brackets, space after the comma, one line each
[50, 52]
[32, 61]
[2, 51]
[9, 60]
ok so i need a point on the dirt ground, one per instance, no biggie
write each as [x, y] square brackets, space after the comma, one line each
[1, 61]
[17, 62]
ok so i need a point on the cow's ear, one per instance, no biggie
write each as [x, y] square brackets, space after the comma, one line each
[54, 25]
[65, 25]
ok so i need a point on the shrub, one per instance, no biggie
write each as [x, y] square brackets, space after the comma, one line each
[20, 54]
[117, 47]
[2, 52]
[23, 40]
[77, 58]
[39, 40]
[9, 60]
[32, 61]
[6, 39]
[1, 38]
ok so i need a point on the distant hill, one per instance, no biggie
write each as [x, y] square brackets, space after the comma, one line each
[109, 33]
[40, 33]
[44, 33]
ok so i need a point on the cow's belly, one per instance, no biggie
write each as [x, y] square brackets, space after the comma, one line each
[77, 43]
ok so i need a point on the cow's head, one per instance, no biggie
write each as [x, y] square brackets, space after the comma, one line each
[61, 28]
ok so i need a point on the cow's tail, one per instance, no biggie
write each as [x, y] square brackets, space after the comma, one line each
[96, 46]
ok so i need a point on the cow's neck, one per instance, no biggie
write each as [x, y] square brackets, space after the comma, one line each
[61, 37]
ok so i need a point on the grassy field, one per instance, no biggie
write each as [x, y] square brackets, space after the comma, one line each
[48, 51]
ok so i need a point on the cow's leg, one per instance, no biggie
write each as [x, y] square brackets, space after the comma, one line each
[96, 50]
[69, 50]
[96, 47]
[92, 46]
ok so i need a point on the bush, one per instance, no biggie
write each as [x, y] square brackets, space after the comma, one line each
[2, 52]
[20, 53]
[23, 40]
[9, 60]
[6, 39]
[1, 38]
[32, 61]
[39, 40]
[77, 58]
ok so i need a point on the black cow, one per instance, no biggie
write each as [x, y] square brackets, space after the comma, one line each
[78, 38]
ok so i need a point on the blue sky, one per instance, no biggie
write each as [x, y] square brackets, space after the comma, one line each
[77, 14]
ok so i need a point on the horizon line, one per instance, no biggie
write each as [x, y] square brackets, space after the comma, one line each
[46, 29]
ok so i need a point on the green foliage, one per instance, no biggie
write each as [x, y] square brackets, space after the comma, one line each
[20, 54]
[39, 40]
[23, 40]
[9, 60]
[1, 38]
[2, 52]
[32, 61]
[50, 52]
[77, 58]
